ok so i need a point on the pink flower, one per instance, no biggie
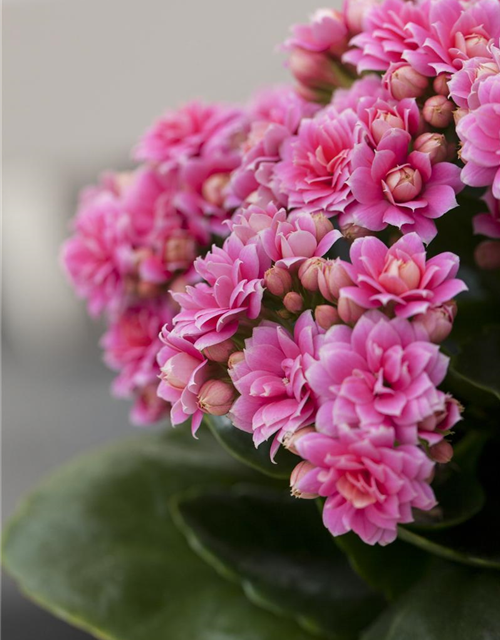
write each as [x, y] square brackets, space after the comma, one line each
[130, 346]
[148, 407]
[479, 132]
[370, 485]
[193, 130]
[385, 38]
[326, 31]
[368, 86]
[380, 116]
[315, 168]
[275, 399]
[275, 115]
[392, 186]
[454, 33]
[381, 372]
[96, 258]
[464, 84]
[488, 224]
[400, 276]
[183, 372]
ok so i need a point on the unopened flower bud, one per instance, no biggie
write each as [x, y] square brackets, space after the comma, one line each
[220, 352]
[352, 231]
[216, 397]
[298, 474]
[476, 46]
[349, 311]
[440, 84]
[438, 321]
[434, 144]
[291, 438]
[309, 273]
[487, 255]
[332, 279]
[293, 302]
[438, 111]
[278, 281]
[322, 224]
[313, 69]
[326, 316]
[404, 183]
[404, 82]
[442, 452]
[213, 189]
[383, 123]
[235, 358]
[355, 12]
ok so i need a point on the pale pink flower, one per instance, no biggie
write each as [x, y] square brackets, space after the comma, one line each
[488, 224]
[368, 86]
[377, 117]
[394, 187]
[148, 407]
[369, 484]
[275, 398]
[325, 32]
[464, 84]
[479, 132]
[315, 168]
[400, 276]
[385, 38]
[455, 32]
[183, 372]
[381, 372]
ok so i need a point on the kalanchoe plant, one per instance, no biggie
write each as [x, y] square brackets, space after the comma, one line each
[283, 276]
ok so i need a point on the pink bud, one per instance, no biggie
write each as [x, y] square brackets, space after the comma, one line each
[313, 69]
[399, 276]
[235, 358]
[487, 255]
[179, 251]
[440, 85]
[178, 370]
[322, 224]
[216, 397]
[293, 302]
[349, 311]
[404, 82]
[404, 183]
[438, 321]
[476, 46]
[298, 474]
[355, 12]
[290, 439]
[278, 281]
[458, 114]
[383, 123]
[332, 278]
[441, 452]
[438, 111]
[213, 189]
[309, 272]
[434, 144]
[326, 316]
[220, 352]
[352, 231]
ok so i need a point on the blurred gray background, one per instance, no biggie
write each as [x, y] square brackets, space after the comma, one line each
[81, 80]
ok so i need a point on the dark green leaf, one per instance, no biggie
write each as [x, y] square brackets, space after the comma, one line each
[452, 602]
[391, 569]
[95, 544]
[239, 444]
[280, 551]
[479, 360]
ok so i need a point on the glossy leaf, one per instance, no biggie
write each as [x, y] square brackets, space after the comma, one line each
[240, 445]
[452, 602]
[277, 547]
[96, 545]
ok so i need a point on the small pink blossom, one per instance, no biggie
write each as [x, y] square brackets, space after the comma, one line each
[275, 398]
[400, 276]
[381, 372]
[326, 31]
[377, 117]
[315, 168]
[488, 224]
[464, 84]
[370, 485]
[394, 187]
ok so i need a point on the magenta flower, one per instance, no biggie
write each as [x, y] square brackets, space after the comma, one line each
[381, 372]
[488, 224]
[370, 485]
[315, 168]
[394, 187]
[400, 276]
[479, 132]
[454, 33]
[464, 84]
[378, 116]
[385, 37]
[183, 372]
[326, 31]
[275, 398]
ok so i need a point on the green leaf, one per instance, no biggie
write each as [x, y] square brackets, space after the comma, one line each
[239, 444]
[479, 360]
[451, 603]
[277, 547]
[96, 545]
[391, 569]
